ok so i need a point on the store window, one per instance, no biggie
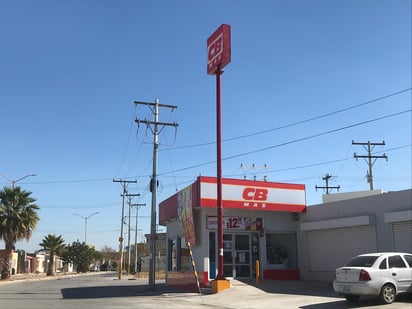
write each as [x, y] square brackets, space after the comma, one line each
[281, 250]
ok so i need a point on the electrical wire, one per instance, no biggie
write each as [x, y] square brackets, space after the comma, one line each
[127, 142]
[291, 142]
[296, 123]
[246, 153]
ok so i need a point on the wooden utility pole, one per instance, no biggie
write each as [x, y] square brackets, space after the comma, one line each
[130, 196]
[327, 187]
[368, 158]
[153, 182]
[135, 236]
[124, 194]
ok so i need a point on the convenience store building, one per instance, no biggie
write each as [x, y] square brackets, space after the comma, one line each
[259, 223]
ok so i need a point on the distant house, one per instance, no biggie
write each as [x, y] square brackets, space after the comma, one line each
[39, 263]
[14, 261]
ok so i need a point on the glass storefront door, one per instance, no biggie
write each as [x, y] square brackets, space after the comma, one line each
[237, 255]
[240, 252]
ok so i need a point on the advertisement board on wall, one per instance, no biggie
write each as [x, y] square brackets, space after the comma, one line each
[236, 223]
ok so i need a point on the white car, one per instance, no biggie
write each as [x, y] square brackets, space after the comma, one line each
[383, 274]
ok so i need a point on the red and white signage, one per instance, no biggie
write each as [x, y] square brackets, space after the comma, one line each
[218, 49]
[253, 195]
[236, 223]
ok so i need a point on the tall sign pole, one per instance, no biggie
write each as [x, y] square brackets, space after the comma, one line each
[218, 56]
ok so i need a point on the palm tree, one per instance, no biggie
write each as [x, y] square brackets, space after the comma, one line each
[53, 245]
[18, 219]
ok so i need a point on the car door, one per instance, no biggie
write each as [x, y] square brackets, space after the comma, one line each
[400, 272]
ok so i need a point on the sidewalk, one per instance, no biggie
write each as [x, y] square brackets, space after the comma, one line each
[288, 293]
[40, 276]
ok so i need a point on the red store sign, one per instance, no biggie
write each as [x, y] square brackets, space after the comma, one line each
[218, 49]
[254, 195]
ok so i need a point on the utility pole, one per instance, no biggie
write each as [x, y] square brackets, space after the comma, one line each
[128, 231]
[135, 234]
[124, 184]
[327, 187]
[153, 183]
[369, 158]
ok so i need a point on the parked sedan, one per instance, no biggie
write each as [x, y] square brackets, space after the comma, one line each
[380, 274]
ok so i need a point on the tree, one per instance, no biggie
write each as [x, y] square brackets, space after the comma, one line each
[109, 258]
[109, 254]
[18, 219]
[79, 254]
[53, 245]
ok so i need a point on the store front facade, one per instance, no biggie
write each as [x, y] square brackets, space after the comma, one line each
[259, 224]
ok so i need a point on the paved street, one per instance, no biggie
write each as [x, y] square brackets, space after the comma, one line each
[104, 290]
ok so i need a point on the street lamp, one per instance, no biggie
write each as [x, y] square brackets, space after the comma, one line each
[14, 181]
[85, 223]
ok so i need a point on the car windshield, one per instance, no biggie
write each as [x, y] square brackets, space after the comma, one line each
[362, 261]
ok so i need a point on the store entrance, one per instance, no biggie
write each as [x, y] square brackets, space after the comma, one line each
[240, 252]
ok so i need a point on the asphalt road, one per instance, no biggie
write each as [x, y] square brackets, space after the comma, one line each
[104, 290]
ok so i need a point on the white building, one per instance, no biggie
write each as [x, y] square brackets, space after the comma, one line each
[331, 233]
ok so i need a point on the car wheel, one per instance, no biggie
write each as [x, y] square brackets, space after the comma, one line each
[387, 294]
[352, 298]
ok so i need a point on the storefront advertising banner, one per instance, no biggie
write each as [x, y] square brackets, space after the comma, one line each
[185, 214]
[236, 223]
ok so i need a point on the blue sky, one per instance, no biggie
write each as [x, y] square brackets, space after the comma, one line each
[306, 78]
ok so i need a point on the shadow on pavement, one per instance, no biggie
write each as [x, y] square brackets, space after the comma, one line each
[114, 291]
[317, 288]
[364, 302]
[293, 287]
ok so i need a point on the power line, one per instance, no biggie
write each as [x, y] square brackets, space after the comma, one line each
[127, 143]
[317, 135]
[298, 122]
[290, 142]
[239, 155]
[190, 177]
[252, 134]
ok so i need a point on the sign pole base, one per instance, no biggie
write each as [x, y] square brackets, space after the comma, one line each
[219, 285]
